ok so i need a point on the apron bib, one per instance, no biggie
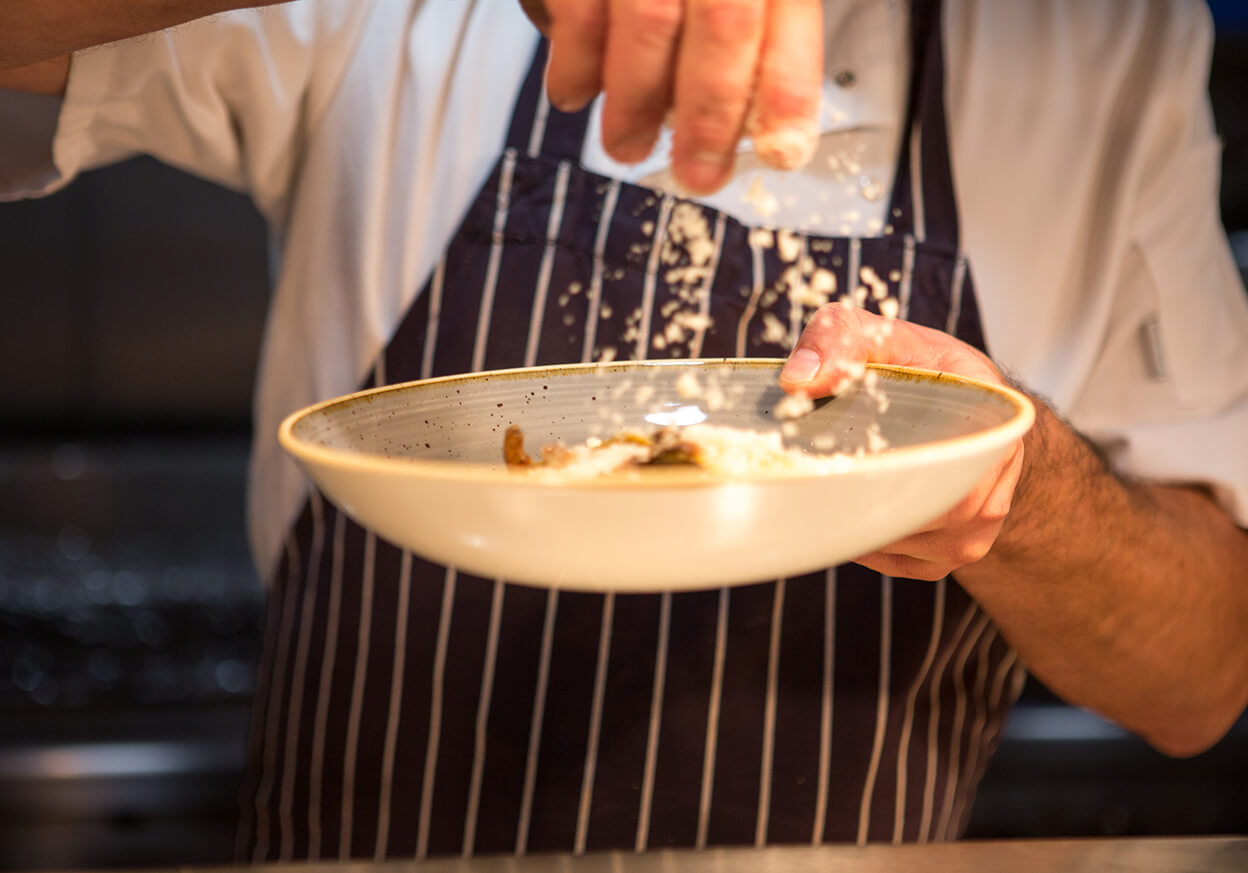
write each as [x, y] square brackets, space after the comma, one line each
[408, 710]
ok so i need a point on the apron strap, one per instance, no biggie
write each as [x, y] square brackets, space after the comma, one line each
[923, 201]
[538, 129]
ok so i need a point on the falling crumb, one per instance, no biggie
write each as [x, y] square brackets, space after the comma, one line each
[647, 227]
[824, 442]
[685, 278]
[823, 283]
[788, 245]
[761, 238]
[878, 287]
[890, 307]
[875, 440]
[763, 201]
[692, 320]
[687, 385]
[688, 232]
[715, 399]
[774, 330]
[793, 406]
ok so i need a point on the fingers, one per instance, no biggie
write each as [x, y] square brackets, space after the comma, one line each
[578, 33]
[833, 350]
[538, 14]
[638, 77]
[963, 536]
[991, 499]
[787, 95]
[718, 66]
[715, 78]
[936, 554]
[840, 340]
[902, 567]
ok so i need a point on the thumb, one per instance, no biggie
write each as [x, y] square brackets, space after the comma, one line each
[834, 349]
[841, 339]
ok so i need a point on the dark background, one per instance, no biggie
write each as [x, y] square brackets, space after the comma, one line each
[131, 309]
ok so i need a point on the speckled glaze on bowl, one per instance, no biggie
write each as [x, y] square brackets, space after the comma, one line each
[421, 465]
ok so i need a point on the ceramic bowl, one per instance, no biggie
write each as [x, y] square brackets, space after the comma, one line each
[421, 465]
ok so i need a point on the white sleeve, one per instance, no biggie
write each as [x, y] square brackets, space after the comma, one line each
[228, 98]
[1168, 395]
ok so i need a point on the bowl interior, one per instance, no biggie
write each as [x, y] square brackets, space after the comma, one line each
[463, 418]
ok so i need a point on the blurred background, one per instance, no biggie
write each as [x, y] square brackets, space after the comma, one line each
[131, 310]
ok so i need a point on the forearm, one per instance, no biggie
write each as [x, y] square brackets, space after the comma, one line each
[45, 77]
[40, 30]
[1127, 598]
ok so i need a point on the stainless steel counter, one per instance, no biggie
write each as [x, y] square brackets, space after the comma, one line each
[1157, 855]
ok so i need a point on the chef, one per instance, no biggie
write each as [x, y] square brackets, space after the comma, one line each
[1035, 182]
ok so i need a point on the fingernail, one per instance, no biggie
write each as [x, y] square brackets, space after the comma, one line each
[802, 367]
[630, 146]
[566, 104]
[705, 172]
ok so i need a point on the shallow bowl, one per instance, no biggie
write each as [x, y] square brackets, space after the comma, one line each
[421, 465]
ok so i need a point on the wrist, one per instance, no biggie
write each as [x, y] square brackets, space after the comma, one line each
[1065, 485]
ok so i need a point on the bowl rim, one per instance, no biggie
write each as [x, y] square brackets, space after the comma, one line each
[304, 451]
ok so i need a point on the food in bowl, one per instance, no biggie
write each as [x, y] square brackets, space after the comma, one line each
[716, 449]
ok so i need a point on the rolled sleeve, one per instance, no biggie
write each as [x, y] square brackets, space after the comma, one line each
[228, 98]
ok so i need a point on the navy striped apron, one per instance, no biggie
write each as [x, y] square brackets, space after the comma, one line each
[408, 710]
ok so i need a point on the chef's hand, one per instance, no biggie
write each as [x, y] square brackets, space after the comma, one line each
[831, 352]
[722, 68]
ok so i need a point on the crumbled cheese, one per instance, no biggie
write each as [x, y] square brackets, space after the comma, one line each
[761, 238]
[687, 385]
[788, 245]
[793, 406]
[763, 201]
[789, 147]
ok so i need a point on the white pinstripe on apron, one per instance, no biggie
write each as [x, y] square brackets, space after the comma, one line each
[410, 710]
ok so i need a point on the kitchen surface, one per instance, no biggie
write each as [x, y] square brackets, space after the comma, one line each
[131, 309]
[1149, 855]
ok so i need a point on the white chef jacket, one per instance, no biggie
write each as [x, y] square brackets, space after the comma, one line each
[1085, 163]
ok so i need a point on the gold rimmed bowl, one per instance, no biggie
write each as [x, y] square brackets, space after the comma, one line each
[421, 464]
